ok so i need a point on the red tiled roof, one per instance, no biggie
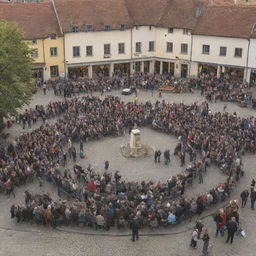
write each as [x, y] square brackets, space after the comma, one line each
[233, 2]
[182, 13]
[147, 12]
[37, 20]
[231, 21]
[92, 12]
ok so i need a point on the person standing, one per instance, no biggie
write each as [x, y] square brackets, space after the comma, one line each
[232, 228]
[156, 155]
[200, 173]
[244, 196]
[106, 165]
[44, 88]
[194, 239]
[205, 239]
[253, 198]
[135, 229]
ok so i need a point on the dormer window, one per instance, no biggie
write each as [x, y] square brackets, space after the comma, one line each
[74, 28]
[122, 27]
[33, 42]
[53, 36]
[88, 28]
[106, 27]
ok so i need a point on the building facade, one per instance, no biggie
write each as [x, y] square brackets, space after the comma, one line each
[184, 38]
[42, 33]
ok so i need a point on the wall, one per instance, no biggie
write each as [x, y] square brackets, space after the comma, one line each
[54, 60]
[40, 48]
[144, 35]
[97, 40]
[252, 54]
[215, 43]
[177, 38]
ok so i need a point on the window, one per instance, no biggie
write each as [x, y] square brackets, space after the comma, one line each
[151, 46]
[53, 36]
[223, 51]
[185, 31]
[106, 27]
[138, 47]
[54, 71]
[34, 53]
[76, 51]
[89, 51]
[238, 52]
[184, 48]
[88, 28]
[122, 27]
[106, 49]
[205, 49]
[33, 42]
[53, 51]
[121, 49]
[169, 47]
[170, 30]
[74, 28]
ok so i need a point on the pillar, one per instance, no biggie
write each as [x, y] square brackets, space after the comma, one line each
[142, 66]
[111, 69]
[247, 75]
[90, 71]
[169, 67]
[218, 71]
[161, 67]
[177, 70]
[132, 68]
[223, 69]
[194, 69]
[152, 67]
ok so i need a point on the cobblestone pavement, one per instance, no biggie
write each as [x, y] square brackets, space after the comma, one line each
[25, 239]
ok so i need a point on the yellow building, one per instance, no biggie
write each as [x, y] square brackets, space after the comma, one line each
[42, 33]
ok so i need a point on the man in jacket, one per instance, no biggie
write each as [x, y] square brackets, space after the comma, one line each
[135, 229]
[232, 228]
[253, 198]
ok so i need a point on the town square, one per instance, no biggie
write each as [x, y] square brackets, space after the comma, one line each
[127, 128]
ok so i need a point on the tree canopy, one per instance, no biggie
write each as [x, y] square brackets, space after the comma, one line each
[15, 70]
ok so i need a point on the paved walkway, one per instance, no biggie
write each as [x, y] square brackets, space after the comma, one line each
[25, 239]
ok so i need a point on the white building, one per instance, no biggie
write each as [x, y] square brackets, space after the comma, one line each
[221, 41]
[179, 37]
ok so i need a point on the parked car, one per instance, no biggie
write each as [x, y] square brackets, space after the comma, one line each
[128, 91]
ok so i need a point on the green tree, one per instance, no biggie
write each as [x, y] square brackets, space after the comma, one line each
[15, 71]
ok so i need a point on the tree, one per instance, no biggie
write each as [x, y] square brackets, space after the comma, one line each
[15, 71]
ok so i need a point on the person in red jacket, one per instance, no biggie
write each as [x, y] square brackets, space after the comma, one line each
[220, 219]
[91, 186]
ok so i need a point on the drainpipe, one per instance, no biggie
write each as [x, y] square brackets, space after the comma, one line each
[191, 52]
[247, 59]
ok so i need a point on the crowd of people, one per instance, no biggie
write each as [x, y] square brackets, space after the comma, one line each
[226, 88]
[218, 139]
